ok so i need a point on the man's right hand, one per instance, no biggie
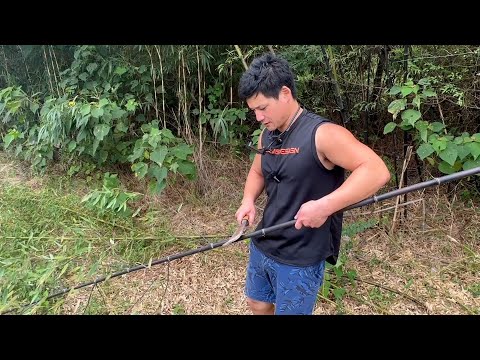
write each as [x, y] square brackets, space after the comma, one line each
[246, 210]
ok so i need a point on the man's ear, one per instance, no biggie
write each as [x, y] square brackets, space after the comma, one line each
[285, 93]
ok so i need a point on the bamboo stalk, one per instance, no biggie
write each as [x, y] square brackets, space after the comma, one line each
[152, 72]
[48, 70]
[200, 101]
[163, 88]
[26, 66]
[405, 164]
[332, 74]
[6, 65]
[186, 120]
[179, 92]
[231, 86]
[239, 52]
[56, 63]
[53, 70]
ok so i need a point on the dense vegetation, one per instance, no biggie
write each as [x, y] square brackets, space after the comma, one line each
[155, 111]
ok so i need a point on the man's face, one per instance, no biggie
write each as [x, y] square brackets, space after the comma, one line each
[271, 112]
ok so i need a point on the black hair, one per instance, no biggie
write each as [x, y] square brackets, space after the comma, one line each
[266, 75]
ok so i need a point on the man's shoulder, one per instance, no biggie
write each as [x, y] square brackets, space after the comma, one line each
[316, 118]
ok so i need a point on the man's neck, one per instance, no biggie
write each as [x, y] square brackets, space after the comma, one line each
[292, 118]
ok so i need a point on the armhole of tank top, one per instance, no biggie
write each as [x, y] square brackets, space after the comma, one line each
[261, 137]
[314, 148]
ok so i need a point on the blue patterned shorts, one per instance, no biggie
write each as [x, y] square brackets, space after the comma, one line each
[293, 289]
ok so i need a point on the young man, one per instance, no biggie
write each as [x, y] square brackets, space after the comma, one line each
[300, 162]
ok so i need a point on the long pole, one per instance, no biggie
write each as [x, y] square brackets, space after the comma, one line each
[264, 231]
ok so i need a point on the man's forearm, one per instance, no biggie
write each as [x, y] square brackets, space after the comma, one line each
[362, 183]
[253, 187]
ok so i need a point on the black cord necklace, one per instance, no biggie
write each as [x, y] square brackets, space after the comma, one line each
[278, 137]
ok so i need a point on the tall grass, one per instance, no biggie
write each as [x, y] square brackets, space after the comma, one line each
[49, 240]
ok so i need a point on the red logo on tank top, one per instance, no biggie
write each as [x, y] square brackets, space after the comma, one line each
[287, 151]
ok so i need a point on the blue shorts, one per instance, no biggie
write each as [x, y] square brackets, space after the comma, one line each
[293, 289]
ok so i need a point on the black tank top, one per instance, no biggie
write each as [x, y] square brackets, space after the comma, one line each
[294, 175]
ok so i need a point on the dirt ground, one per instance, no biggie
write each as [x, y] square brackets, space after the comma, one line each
[428, 264]
[412, 271]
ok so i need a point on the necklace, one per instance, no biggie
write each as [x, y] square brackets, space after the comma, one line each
[279, 136]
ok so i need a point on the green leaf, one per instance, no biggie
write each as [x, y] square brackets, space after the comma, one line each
[81, 135]
[121, 127]
[120, 70]
[422, 127]
[118, 113]
[389, 127]
[450, 154]
[167, 133]
[411, 116]
[325, 289]
[174, 167]
[101, 130]
[160, 173]
[154, 131]
[103, 102]
[416, 101]
[471, 164]
[474, 148]
[182, 151]
[394, 90]
[425, 150]
[140, 169]
[72, 145]
[156, 187]
[92, 67]
[446, 168]
[83, 76]
[396, 106]
[85, 109]
[438, 145]
[339, 292]
[405, 125]
[95, 146]
[424, 81]
[97, 112]
[429, 93]
[463, 151]
[137, 152]
[33, 107]
[8, 139]
[131, 105]
[159, 155]
[437, 126]
[406, 90]
[103, 156]
[187, 168]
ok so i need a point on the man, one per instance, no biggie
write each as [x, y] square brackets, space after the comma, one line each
[300, 162]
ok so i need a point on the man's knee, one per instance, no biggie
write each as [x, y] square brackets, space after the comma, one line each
[260, 307]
